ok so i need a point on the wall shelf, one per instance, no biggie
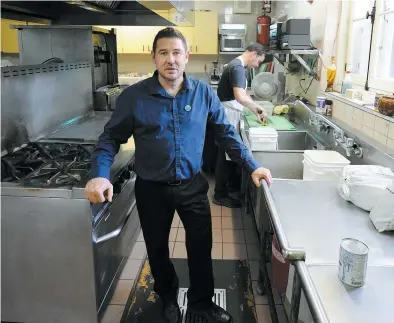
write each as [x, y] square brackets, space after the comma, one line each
[294, 51]
[281, 51]
[231, 53]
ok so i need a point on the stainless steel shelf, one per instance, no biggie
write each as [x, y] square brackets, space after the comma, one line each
[281, 51]
[231, 53]
[294, 51]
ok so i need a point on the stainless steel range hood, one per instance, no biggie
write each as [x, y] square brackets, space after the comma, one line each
[104, 13]
[176, 11]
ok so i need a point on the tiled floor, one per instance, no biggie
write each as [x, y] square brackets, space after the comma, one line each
[233, 238]
[116, 307]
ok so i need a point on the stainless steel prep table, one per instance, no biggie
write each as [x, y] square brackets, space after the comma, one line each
[338, 303]
[310, 220]
[315, 218]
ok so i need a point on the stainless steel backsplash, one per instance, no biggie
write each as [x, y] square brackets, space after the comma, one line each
[37, 99]
[373, 154]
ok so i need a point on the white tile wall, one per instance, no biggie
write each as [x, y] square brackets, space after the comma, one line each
[391, 131]
[349, 111]
[377, 128]
[382, 139]
[382, 126]
[358, 119]
[368, 131]
[339, 110]
[390, 144]
[369, 120]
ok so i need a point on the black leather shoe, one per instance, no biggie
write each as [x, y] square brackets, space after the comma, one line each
[227, 201]
[214, 314]
[172, 313]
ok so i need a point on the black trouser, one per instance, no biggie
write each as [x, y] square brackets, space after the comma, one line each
[156, 204]
[226, 176]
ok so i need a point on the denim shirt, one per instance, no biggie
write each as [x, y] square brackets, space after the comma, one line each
[168, 132]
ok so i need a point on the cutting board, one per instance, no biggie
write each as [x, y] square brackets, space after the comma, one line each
[276, 122]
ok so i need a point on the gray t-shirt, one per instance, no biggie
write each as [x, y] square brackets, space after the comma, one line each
[233, 76]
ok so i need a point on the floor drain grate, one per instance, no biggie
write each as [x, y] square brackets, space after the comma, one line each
[219, 298]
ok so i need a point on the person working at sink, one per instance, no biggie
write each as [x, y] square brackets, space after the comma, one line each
[232, 92]
[168, 114]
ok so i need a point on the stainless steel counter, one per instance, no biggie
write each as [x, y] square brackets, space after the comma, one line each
[87, 128]
[310, 220]
[343, 304]
[315, 218]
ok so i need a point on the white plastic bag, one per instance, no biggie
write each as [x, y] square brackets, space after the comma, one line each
[363, 185]
[382, 214]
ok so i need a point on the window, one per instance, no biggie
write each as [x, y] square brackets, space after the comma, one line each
[381, 69]
[385, 49]
[360, 37]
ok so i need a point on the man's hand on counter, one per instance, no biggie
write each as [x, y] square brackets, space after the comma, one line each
[95, 189]
[259, 174]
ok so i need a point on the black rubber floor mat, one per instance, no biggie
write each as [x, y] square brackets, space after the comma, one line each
[232, 277]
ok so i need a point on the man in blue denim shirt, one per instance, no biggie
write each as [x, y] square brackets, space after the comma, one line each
[167, 115]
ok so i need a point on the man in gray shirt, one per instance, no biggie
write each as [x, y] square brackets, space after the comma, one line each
[234, 97]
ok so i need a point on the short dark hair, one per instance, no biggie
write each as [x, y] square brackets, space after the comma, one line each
[256, 47]
[169, 32]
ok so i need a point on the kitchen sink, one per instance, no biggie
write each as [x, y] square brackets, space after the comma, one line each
[295, 140]
[286, 162]
[282, 164]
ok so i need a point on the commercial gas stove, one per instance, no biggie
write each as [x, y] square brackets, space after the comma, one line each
[62, 255]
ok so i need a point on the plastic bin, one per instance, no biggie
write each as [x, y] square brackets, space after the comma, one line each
[263, 138]
[323, 165]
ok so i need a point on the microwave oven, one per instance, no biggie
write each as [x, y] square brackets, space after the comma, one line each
[232, 37]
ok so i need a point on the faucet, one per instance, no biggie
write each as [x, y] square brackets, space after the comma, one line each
[349, 145]
[325, 125]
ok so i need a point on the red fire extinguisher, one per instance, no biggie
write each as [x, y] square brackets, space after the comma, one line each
[263, 30]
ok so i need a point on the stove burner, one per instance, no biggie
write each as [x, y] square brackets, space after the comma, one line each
[20, 163]
[53, 150]
[58, 173]
[32, 161]
[78, 153]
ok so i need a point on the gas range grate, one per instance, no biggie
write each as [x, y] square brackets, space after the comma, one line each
[58, 173]
[20, 163]
[13, 173]
[47, 164]
[67, 151]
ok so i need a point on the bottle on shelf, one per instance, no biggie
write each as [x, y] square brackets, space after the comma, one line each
[331, 73]
[328, 108]
[347, 82]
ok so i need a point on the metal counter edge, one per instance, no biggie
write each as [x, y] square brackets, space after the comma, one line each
[315, 304]
[287, 252]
